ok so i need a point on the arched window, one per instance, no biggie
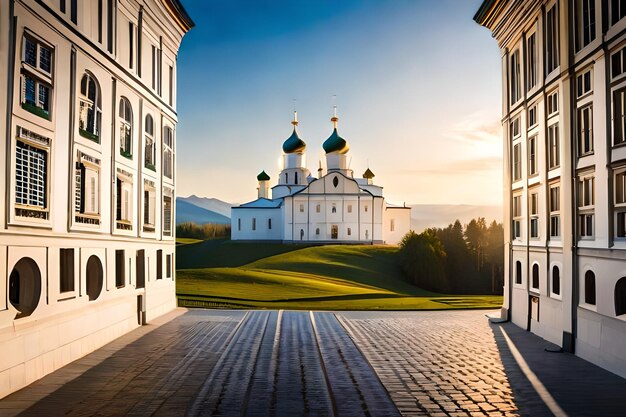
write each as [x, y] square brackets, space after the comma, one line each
[149, 146]
[317, 208]
[286, 178]
[556, 280]
[535, 283]
[95, 277]
[296, 179]
[301, 234]
[269, 223]
[317, 231]
[334, 209]
[25, 287]
[590, 288]
[168, 152]
[90, 108]
[126, 128]
[518, 272]
[620, 297]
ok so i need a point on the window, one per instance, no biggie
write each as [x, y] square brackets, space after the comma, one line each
[168, 266]
[365, 208]
[269, 224]
[131, 44]
[238, 224]
[515, 132]
[31, 178]
[535, 280]
[126, 128]
[620, 297]
[87, 190]
[349, 231]
[619, 119]
[317, 208]
[514, 77]
[554, 147]
[90, 108]
[532, 156]
[254, 223]
[295, 180]
[149, 206]
[585, 15]
[590, 288]
[553, 103]
[552, 39]
[334, 208]
[618, 10]
[120, 268]
[317, 231]
[171, 86]
[531, 61]
[585, 130]
[517, 162]
[159, 264]
[534, 215]
[36, 77]
[532, 116]
[556, 280]
[583, 83]
[167, 211]
[620, 204]
[517, 214]
[66, 273]
[555, 208]
[124, 202]
[149, 145]
[585, 206]
[156, 68]
[518, 272]
[74, 11]
[286, 178]
[618, 63]
[349, 208]
[301, 208]
[168, 152]
[392, 225]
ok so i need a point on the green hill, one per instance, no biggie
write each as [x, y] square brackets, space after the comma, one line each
[262, 275]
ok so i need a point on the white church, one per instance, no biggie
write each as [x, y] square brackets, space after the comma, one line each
[333, 208]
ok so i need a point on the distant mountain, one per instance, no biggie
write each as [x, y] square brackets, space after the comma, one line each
[424, 216]
[211, 204]
[187, 212]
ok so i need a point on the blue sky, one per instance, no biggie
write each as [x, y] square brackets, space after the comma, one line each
[417, 86]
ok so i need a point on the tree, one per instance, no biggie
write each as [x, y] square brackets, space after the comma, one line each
[476, 235]
[422, 259]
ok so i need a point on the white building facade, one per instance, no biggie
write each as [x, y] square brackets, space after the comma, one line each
[332, 208]
[564, 118]
[86, 223]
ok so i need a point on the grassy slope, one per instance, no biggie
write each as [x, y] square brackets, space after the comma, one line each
[321, 277]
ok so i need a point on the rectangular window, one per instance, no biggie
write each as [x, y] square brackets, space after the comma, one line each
[531, 61]
[620, 204]
[585, 15]
[154, 64]
[618, 10]
[74, 11]
[269, 224]
[584, 120]
[159, 264]
[238, 224]
[171, 86]
[365, 208]
[349, 231]
[254, 224]
[149, 206]
[515, 131]
[517, 214]
[168, 152]
[552, 39]
[87, 190]
[534, 215]
[349, 208]
[36, 77]
[554, 147]
[317, 208]
[583, 83]
[31, 176]
[124, 192]
[99, 21]
[585, 206]
[301, 208]
[532, 116]
[167, 215]
[555, 218]
[618, 63]
[514, 76]
[619, 118]
[66, 273]
[120, 268]
[517, 162]
[168, 266]
[553, 103]
[131, 44]
[532, 156]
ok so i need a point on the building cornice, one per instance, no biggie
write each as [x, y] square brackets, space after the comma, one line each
[488, 12]
[180, 15]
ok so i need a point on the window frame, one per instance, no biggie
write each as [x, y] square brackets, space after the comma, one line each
[40, 77]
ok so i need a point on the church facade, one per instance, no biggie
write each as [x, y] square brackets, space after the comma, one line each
[333, 207]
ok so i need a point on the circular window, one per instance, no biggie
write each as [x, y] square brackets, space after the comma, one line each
[25, 287]
[335, 181]
[95, 277]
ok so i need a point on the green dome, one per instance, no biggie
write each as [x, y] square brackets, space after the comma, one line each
[294, 144]
[336, 144]
[263, 176]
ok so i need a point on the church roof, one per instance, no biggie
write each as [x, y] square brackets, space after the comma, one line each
[263, 176]
[294, 144]
[335, 143]
[368, 174]
[262, 203]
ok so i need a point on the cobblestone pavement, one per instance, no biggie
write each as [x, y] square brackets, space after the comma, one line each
[283, 363]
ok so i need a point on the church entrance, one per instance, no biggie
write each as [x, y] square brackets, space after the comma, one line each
[334, 232]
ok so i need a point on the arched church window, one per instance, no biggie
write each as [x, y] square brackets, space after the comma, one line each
[90, 111]
[269, 224]
[301, 234]
[556, 280]
[620, 297]
[318, 208]
[334, 209]
[518, 272]
[317, 231]
[296, 177]
[535, 282]
[590, 288]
